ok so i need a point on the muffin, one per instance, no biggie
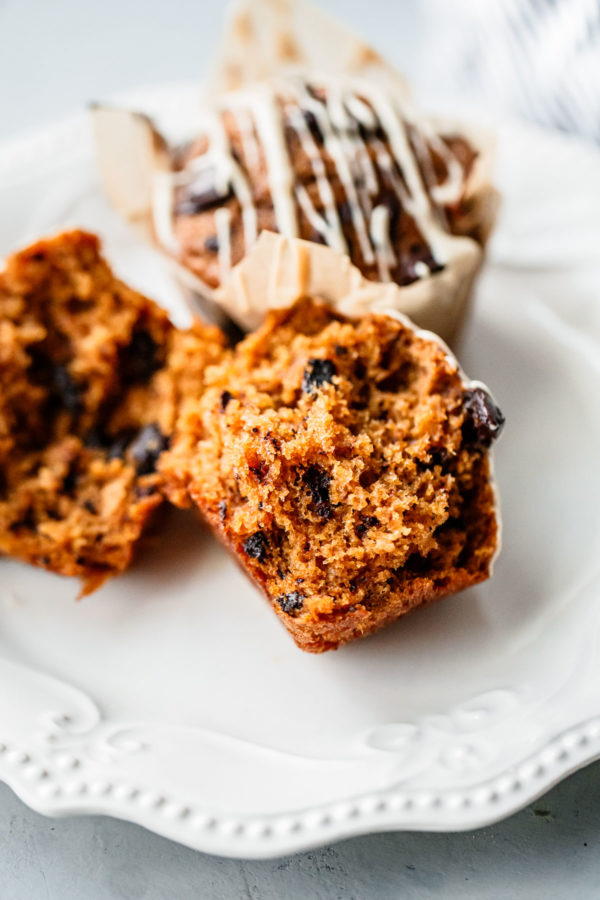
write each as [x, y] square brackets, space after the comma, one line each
[91, 376]
[345, 464]
[333, 160]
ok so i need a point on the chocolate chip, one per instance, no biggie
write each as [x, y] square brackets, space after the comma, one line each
[366, 523]
[69, 482]
[226, 396]
[96, 439]
[260, 470]
[317, 237]
[397, 380]
[360, 370]
[345, 213]
[211, 243]
[483, 419]
[28, 521]
[418, 253]
[291, 603]
[117, 447]
[317, 481]
[147, 447]
[139, 360]
[202, 194]
[66, 389]
[439, 457]
[256, 546]
[222, 510]
[341, 351]
[371, 132]
[90, 507]
[313, 125]
[317, 373]
[361, 396]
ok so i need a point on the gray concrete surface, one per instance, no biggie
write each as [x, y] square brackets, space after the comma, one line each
[56, 55]
[549, 850]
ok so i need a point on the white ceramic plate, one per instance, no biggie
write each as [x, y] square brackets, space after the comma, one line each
[174, 698]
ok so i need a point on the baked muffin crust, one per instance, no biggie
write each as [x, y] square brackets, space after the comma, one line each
[345, 465]
[91, 376]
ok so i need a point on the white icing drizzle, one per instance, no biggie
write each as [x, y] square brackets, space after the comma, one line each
[269, 127]
[261, 115]
[335, 147]
[330, 226]
[380, 235]
[223, 223]
[245, 127]
[229, 173]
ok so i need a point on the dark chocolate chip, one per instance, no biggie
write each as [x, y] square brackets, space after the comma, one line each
[345, 213]
[317, 373]
[91, 508]
[341, 351]
[361, 396]
[360, 370]
[483, 420]
[28, 521]
[70, 481]
[397, 380]
[226, 396]
[368, 133]
[117, 447]
[313, 125]
[417, 564]
[96, 439]
[202, 194]
[366, 523]
[256, 546]
[222, 510]
[418, 253]
[66, 389]
[291, 603]
[139, 359]
[147, 447]
[317, 237]
[211, 243]
[317, 481]
[439, 457]
[260, 470]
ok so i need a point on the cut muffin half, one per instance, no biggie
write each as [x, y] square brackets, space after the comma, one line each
[345, 464]
[91, 376]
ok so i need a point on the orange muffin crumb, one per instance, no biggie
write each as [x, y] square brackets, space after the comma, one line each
[345, 465]
[91, 376]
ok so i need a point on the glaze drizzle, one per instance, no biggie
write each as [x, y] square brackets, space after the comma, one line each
[369, 140]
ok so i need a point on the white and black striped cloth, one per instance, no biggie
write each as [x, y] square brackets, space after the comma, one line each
[539, 59]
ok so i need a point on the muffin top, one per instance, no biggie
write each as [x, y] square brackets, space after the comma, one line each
[337, 162]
